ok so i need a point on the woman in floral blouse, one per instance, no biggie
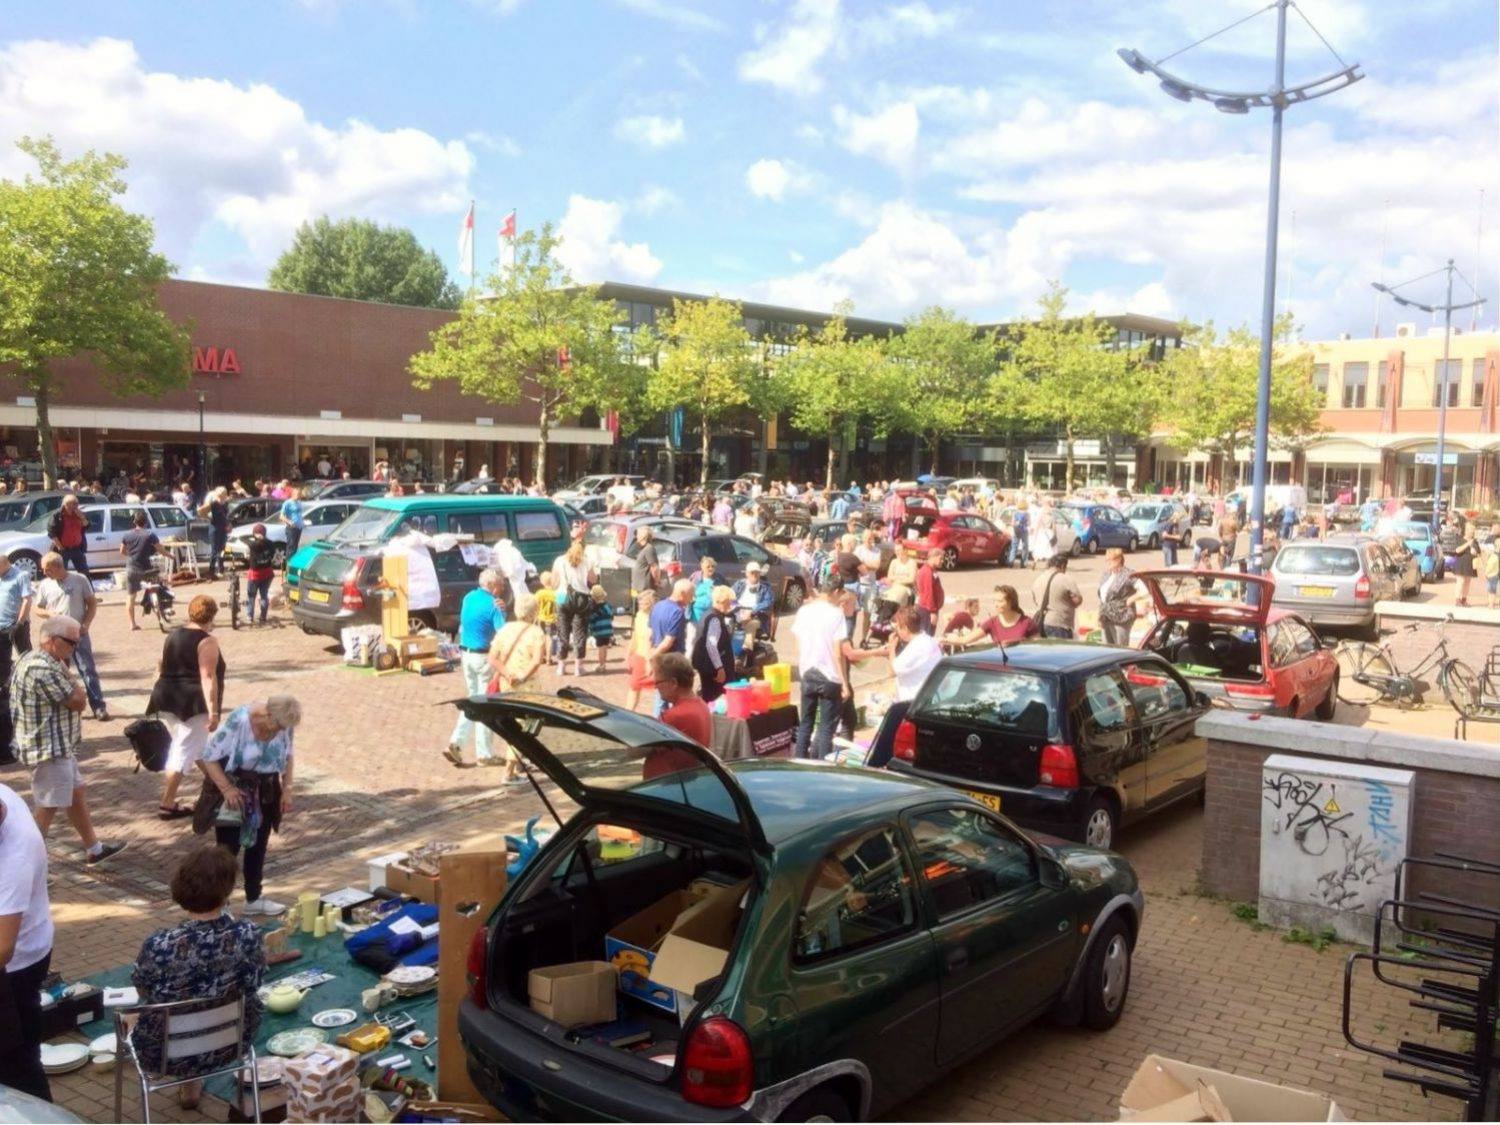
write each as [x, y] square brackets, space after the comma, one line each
[209, 957]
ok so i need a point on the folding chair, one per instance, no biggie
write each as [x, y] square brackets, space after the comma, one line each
[191, 1031]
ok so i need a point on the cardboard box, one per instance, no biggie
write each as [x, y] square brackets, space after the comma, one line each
[377, 868]
[1169, 1090]
[631, 947]
[323, 1085]
[575, 994]
[412, 649]
[473, 882]
[697, 945]
[429, 888]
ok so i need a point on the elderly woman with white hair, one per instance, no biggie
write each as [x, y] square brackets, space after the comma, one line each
[248, 762]
[517, 652]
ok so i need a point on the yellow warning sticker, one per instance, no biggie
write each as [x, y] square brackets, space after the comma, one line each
[1332, 807]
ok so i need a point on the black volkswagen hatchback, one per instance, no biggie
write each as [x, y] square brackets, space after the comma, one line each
[1069, 738]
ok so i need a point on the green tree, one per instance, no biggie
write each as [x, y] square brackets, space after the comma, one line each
[535, 338]
[834, 383]
[363, 261]
[1215, 382]
[1068, 376]
[943, 364]
[78, 274]
[707, 364]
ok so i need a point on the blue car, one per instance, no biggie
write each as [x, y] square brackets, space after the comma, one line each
[1099, 526]
[1419, 541]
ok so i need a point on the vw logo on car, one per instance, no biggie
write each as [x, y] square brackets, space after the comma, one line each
[972, 742]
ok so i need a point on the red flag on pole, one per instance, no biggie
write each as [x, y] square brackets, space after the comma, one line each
[466, 244]
[508, 241]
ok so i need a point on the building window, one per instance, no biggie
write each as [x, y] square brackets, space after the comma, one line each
[1478, 387]
[1453, 381]
[1356, 375]
[1382, 381]
[1320, 381]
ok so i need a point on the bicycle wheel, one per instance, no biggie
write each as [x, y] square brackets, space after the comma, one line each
[1460, 687]
[1357, 658]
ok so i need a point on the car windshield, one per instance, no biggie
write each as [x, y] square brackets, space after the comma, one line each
[1002, 699]
[1417, 532]
[365, 525]
[169, 517]
[1317, 559]
[1145, 512]
[329, 567]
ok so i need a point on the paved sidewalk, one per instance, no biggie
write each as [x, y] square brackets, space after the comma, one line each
[370, 779]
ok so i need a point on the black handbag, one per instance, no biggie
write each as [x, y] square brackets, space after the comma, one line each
[150, 739]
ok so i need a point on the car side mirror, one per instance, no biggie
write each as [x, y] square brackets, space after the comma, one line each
[1202, 699]
[1050, 873]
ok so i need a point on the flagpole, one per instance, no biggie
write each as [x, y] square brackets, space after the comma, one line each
[473, 236]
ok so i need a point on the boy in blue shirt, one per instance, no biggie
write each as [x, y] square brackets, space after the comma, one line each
[601, 624]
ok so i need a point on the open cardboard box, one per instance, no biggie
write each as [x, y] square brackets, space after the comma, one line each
[1170, 1090]
[697, 945]
[631, 947]
[575, 994]
[429, 888]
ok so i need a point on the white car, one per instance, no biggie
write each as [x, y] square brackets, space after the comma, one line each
[318, 517]
[107, 525]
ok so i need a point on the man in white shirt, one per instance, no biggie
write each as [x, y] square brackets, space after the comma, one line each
[823, 665]
[919, 654]
[25, 946]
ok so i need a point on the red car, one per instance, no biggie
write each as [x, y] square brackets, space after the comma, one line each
[1221, 631]
[962, 536]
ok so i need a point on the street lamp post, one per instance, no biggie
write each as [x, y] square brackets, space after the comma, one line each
[1277, 98]
[202, 448]
[1447, 308]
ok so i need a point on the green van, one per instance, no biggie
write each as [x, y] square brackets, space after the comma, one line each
[536, 525]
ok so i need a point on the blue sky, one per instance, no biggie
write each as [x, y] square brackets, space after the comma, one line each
[900, 153]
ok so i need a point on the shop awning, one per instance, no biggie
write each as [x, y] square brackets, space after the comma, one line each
[1342, 453]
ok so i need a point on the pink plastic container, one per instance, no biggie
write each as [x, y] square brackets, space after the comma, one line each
[737, 700]
[760, 697]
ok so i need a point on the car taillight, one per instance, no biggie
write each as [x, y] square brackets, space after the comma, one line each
[1253, 691]
[673, 569]
[1059, 766]
[905, 744]
[718, 1069]
[1086, 523]
[478, 973]
[351, 597]
[1362, 586]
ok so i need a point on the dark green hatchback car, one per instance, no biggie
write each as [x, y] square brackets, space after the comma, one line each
[795, 941]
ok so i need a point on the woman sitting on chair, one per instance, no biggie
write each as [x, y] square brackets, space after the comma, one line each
[208, 957]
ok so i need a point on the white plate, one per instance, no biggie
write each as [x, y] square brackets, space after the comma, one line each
[294, 1042]
[270, 1069]
[59, 1058]
[334, 1017]
[104, 1045]
[411, 974]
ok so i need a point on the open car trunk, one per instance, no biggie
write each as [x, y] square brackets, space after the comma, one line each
[1212, 625]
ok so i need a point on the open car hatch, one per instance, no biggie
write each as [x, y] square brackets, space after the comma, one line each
[1225, 597]
[605, 757]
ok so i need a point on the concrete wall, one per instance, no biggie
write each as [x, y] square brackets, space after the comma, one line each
[1455, 797]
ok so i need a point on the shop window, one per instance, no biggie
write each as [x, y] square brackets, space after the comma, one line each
[1477, 384]
[1356, 375]
[1455, 373]
[538, 525]
[859, 894]
[1382, 382]
[1320, 381]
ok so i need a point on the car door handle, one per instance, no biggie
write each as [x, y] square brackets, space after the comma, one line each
[956, 959]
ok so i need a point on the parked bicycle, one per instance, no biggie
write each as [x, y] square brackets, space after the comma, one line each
[157, 599]
[1369, 673]
[234, 599]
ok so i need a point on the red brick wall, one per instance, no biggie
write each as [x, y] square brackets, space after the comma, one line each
[1452, 812]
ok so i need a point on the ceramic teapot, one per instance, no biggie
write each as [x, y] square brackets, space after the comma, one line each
[283, 998]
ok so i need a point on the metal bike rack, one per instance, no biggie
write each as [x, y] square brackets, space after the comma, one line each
[1463, 942]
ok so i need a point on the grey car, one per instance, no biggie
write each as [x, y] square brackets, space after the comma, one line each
[20, 509]
[1152, 520]
[681, 549]
[1336, 581]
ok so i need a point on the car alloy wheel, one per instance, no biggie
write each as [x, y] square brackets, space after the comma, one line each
[28, 565]
[1152, 543]
[950, 559]
[1116, 975]
[1099, 828]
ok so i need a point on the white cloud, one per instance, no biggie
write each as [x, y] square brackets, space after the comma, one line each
[900, 22]
[650, 130]
[681, 14]
[655, 198]
[788, 55]
[775, 179]
[204, 150]
[591, 248]
[495, 142]
[888, 135]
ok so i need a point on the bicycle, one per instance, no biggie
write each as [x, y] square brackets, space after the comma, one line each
[157, 599]
[234, 599]
[1368, 673]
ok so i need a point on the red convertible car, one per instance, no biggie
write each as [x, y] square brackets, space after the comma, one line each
[963, 537]
[1221, 631]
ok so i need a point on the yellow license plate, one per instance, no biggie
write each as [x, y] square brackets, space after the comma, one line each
[319, 596]
[291, 593]
[1316, 591]
[988, 800]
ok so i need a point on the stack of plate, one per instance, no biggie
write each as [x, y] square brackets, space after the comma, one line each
[411, 980]
[61, 1058]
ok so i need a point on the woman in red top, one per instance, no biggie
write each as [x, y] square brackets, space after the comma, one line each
[1005, 626]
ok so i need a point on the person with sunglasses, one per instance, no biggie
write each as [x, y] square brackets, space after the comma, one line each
[46, 700]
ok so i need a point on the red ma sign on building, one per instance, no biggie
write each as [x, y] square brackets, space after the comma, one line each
[215, 361]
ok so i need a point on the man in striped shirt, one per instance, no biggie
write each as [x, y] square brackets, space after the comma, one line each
[46, 700]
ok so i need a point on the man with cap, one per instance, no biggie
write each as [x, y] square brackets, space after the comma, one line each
[753, 597]
[46, 700]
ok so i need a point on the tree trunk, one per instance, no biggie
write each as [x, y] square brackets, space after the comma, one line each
[832, 458]
[1109, 458]
[935, 444]
[703, 468]
[40, 392]
[543, 428]
[1068, 462]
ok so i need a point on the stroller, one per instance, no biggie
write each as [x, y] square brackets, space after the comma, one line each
[888, 599]
[753, 651]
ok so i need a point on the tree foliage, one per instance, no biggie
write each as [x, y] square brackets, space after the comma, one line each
[1065, 374]
[535, 338]
[707, 364]
[78, 274]
[834, 382]
[1215, 383]
[944, 363]
[363, 261]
